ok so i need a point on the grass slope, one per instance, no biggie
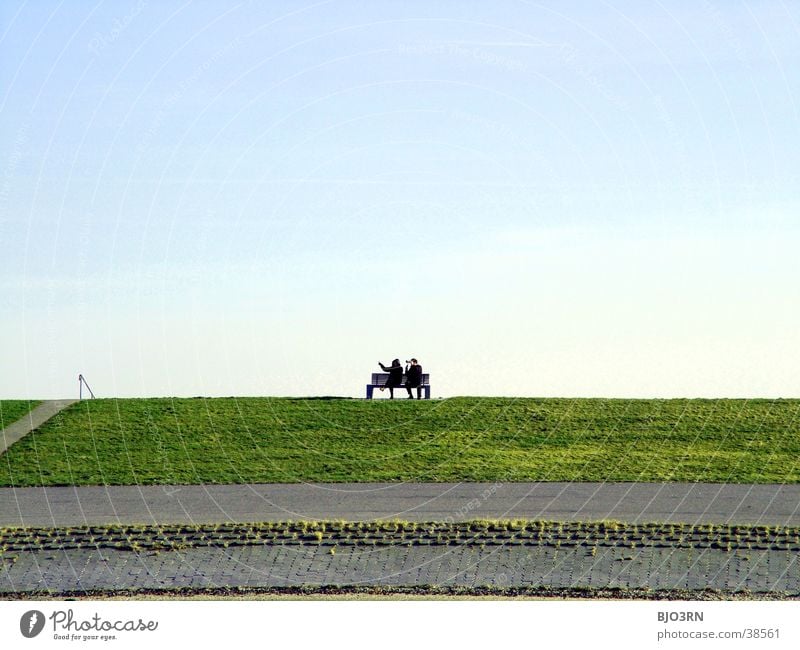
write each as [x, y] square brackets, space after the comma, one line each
[12, 410]
[239, 440]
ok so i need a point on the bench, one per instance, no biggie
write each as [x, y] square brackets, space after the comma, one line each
[379, 379]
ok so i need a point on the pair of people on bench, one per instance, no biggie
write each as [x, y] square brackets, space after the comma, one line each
[413, 372]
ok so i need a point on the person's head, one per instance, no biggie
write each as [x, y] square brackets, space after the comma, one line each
[414, 362]
[396, 362]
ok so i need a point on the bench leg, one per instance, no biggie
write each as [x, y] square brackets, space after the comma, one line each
[427, 392]
[369, 391]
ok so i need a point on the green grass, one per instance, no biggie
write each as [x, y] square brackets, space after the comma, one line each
[12, 410]
[239, 440]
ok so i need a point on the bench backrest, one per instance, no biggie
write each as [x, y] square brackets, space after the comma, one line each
[379, 378]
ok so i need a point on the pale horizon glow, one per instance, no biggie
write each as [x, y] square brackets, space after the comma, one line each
[533, 199]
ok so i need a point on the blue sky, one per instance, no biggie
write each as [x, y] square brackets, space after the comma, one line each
[551, 198]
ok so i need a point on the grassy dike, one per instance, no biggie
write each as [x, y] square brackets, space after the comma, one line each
[243, 440]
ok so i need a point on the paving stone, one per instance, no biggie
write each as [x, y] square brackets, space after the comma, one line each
[517, 566]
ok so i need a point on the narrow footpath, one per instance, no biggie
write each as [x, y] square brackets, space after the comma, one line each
[35, 418]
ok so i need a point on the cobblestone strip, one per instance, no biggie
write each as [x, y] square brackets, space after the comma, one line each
[424, 567]
[497, 555]
[500, 533]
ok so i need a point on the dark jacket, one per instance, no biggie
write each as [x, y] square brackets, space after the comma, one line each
[395, 377]
[414, 376]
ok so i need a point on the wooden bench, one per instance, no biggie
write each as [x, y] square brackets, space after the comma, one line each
[379, 380]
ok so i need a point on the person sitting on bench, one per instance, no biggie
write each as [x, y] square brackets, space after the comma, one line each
[395, 377]
[414, 378]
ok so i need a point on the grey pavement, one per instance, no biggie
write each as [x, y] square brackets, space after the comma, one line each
[469, 567]
[35, 418]
[691, 503]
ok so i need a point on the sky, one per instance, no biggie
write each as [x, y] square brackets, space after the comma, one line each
[578, 199]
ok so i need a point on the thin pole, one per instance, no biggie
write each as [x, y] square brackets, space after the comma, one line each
[81, 383]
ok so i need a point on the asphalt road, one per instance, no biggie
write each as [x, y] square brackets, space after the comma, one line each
[692, 503]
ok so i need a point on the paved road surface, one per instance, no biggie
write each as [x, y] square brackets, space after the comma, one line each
[691, 503]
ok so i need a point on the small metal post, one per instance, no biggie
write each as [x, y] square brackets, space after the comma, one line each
[81, 383]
